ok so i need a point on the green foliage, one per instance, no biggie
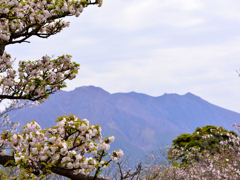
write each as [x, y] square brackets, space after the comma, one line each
[205, 138]
[175, 164]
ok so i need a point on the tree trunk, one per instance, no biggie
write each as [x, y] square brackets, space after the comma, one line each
[69, 173]
[2, 48]
[60, 171]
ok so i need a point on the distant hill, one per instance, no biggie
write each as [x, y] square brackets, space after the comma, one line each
[138, 121]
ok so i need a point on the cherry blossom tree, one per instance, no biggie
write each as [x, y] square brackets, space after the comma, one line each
[21, 19]
[197, 140]
[73, 148]
[61, 149]
[223, 164]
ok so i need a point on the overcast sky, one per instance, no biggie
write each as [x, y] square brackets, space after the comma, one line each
[153, 47]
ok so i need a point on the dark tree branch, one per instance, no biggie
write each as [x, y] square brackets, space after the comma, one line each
[69, 173]
[99, 160]
[4, 159]
[2, 48]
[25, 34]
[64, 172]
[92, 3]
[12, 97]
[128, 174]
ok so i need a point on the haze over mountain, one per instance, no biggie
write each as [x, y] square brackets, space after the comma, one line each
[138, 121]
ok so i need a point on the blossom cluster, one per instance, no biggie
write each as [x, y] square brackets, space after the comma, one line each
[37, 16]
[65, 145]
[5, 62]
[35, 80]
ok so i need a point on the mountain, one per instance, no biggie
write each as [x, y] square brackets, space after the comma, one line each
[139, 122]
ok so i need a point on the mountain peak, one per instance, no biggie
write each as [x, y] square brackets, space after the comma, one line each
[90, 91]
[192, 96]
[189, 94]
[90, 88]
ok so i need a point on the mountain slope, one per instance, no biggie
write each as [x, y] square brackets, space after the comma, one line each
[139, 122]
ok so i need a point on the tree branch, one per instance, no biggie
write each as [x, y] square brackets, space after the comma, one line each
[60, 171]
[69, 173]
[4, 159]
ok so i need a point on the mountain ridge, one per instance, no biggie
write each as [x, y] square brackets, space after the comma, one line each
[139, 121]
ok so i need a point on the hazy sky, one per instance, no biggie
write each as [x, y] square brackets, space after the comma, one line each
[153, 47]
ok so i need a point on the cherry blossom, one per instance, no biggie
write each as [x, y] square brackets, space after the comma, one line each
[67, 146]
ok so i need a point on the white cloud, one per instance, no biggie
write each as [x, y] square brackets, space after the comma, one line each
[224, 9]
[134, 15]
